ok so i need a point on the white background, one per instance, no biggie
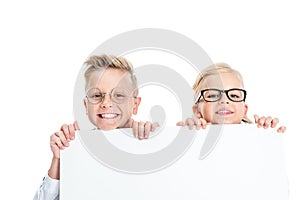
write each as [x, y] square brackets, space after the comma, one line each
[43, 45]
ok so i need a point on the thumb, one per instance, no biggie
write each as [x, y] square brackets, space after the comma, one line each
[131, 123]
[256, 118]
[76, 127]
[181, 123]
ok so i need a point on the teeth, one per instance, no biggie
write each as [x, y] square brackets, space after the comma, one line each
[108, 115]
[223, 111]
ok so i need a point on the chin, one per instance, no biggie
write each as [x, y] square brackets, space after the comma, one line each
[223, 121]
[107, 127]
[231, 122]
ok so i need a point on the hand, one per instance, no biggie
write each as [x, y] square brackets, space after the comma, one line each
[267, 122]
[141, 130]
[60, 139]
[192, 121]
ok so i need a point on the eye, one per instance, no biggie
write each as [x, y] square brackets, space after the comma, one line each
[234, 96]
[96, 96]
[119, 95]
[212, 96]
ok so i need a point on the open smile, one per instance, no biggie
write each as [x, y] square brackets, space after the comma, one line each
[108, 115]
[224, 112]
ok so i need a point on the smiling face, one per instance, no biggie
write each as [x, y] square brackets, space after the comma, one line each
[223, 111]
[108, 115]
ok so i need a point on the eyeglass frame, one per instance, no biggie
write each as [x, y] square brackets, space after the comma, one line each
[221, 91]
[110, 95]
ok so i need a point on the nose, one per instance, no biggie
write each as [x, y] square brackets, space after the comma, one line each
[224, 99]
[107, 102]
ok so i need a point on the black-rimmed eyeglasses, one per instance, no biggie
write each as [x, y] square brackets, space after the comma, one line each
[213, 95]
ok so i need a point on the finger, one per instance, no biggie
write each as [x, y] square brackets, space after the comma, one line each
[147, 129]
[261, 121]
[153, 126]
[62, 138]
[190, 123]
[76, 127]
[59, 143]
[256, 118]
[54, 147]
[281, 129]
[71, 131]
[135, 126]
[267, 122]
[55, 140]
[181, 123]
[141, 128]
[197, 123]
[274, 122]
[131, 123]
[203, 122]
[65, 130]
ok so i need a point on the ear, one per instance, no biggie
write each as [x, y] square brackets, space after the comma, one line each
[85, 105]
[196, 111]
[137, 102]
[245, 110]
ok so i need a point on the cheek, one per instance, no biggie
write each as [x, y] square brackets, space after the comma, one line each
[240, 109]
[126, 108]
[206, 107]
[91, 108]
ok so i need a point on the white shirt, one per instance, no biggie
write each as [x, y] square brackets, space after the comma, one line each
[48, 190]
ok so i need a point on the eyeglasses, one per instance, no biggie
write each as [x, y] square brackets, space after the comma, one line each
[117, 95]
[213, 95]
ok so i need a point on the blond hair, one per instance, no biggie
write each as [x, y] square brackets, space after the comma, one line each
[214, 69]
[102, 62]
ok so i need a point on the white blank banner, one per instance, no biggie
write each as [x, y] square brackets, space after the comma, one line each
[246, 163]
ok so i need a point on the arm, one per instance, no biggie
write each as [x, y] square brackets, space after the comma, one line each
[59, 141]
[49, 188]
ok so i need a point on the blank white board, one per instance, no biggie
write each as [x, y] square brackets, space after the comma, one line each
[221, 162]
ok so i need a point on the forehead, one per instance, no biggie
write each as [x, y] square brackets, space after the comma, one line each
[225, 80]
[109, 78]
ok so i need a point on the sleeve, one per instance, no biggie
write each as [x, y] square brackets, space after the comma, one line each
[48, 190]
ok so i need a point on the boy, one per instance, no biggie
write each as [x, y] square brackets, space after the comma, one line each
[111, 99]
